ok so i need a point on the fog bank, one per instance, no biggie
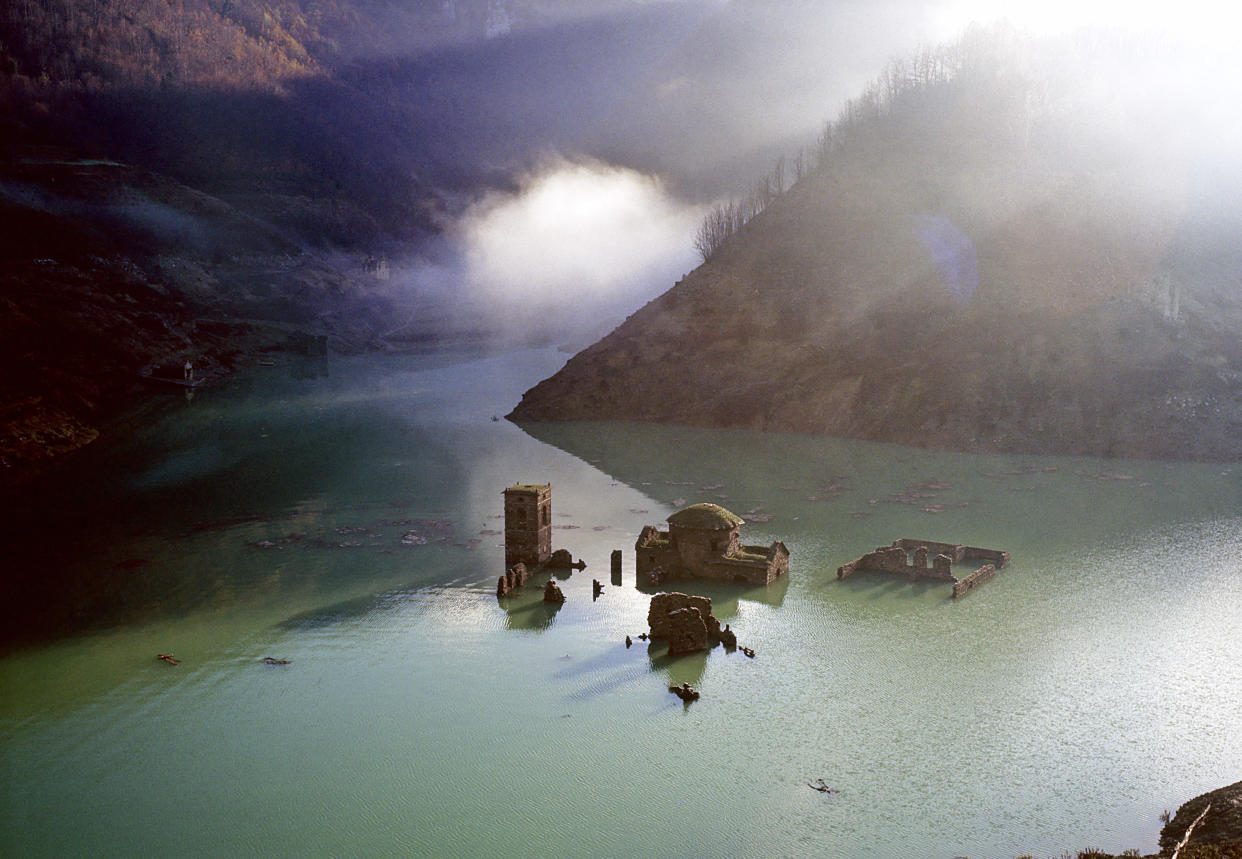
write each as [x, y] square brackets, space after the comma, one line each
[574, 248]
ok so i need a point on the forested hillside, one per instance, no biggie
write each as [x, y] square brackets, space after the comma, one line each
[166, 163]
[184, 180]
[1004, 244]
[242, 99]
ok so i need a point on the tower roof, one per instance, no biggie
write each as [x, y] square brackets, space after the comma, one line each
[527, 487]
[705, 517]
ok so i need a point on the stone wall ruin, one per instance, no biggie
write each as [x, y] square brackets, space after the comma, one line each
[686, 622]
[975, 579]
[656, 552]
[909, 558]
[513, 578]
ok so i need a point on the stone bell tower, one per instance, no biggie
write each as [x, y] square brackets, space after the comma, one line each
[528, 523]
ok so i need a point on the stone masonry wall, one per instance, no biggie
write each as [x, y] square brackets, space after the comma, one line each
[909, 557]
[664, 605]
[653, 551]
[975, 579]
[894, 559]
[955, 552]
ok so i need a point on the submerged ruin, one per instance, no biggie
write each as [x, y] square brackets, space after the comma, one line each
[703, 542]
[685, 621]
[909, 557]
[528, 523]
[528, 540]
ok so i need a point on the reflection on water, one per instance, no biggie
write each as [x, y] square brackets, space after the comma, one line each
[525, 609]
[725, 595]
[224, 495]
[832, 490]
[679, 669]
[345, 517]
[310, 368]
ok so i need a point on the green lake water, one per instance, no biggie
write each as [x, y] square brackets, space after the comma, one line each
[345, 516]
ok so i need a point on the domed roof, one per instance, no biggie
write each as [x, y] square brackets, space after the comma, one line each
[705, 517]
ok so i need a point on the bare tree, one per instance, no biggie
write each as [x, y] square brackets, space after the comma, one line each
[722, 221]
[827, 143]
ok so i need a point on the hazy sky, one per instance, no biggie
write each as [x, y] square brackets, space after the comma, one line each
[582, 114]
[604, 129]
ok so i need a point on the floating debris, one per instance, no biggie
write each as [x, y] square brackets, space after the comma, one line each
[169, 658]
[1026, 469]
[280, 542]
[221, 524]
[269, 660]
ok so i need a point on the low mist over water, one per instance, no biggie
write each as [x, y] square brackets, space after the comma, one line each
[573, 249]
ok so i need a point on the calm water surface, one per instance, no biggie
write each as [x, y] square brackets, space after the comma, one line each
[345, 516]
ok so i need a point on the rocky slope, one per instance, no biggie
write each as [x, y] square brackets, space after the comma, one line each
[968, 267]
[1221, 826]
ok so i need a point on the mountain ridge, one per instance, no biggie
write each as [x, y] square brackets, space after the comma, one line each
[961, 271]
